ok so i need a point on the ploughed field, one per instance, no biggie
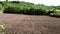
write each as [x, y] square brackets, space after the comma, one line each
[30, 24]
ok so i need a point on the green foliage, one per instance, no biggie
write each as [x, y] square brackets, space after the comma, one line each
[28, 8]
[1, 6]
[18, 10]
[48, 13]
[12, 10]
[2, 28]
[34, 12]
[57, 10]
[55, 14]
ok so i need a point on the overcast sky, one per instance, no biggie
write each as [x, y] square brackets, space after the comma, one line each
[46, 2]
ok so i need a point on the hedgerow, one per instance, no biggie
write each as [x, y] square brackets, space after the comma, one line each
[30, 11]
[13, 10]
[28, 8]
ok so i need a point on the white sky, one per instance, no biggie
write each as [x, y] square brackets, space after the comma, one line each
[46, 2]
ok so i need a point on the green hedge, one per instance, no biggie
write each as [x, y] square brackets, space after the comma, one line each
[12, 10]
[55, 14]
[30, 11]
[34, 12]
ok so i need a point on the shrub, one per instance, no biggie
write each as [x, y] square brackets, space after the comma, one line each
[2, 28]
[12, 10]
[29, 11]
[34, 12]
[48, 13]
[55, 14]
[1, 6]
[18, 10]
[2, 3]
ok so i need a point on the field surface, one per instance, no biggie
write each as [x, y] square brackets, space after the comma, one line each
[27, 24]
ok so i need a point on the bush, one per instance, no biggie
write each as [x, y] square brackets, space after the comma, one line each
[29, 11]
[48, 13]
[18, 10]
[34, 12]
[2, 28]
[15, 10]
[2, 3]
[55, 14]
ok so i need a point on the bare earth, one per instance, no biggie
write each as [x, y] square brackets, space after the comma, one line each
[27, 24]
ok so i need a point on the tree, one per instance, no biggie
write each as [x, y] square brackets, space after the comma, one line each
[6, 0]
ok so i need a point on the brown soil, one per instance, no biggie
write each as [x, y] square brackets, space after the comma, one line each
[27, 24]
